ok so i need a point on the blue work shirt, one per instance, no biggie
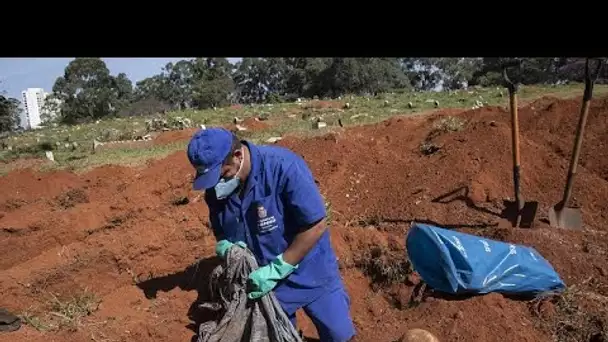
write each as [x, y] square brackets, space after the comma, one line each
[280, 198]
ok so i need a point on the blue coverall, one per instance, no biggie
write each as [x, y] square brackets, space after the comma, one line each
[280, 198]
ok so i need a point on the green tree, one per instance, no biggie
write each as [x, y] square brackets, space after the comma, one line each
[212, 82]
[573, 69]
[259, 79]
[9, 113]
[361, 76]
[457, 73]
[155, 87]
[213, 93]
[122, 90]
[87, 91]
[532, 71]
[51, 110]
[200, 82]
[446, 73]
[303, 75]
[178, 81]
[150, 96]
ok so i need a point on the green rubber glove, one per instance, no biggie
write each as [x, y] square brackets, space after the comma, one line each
[222, 247]
[265, 278]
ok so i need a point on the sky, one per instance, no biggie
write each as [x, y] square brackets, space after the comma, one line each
[18, 74]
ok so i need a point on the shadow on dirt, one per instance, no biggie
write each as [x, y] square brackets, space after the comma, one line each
[194, 277]
[427, 292]
[440, 225]
[462, 194]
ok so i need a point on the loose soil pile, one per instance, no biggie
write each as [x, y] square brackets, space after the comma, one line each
[165, 138]
[131, 236]
[254, 125]
[169, 137]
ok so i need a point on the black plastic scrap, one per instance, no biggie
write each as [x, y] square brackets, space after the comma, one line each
[8, 321]
[242, 319]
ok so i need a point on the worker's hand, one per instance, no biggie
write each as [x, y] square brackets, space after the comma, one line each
[222, 247]
[265, 278]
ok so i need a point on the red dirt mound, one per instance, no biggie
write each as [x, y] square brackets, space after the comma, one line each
[381, 171]
[130, 235]
[184, 135]
[254, 125]
[554, 123]
[25, 186]
[170, 137]
[25, 163]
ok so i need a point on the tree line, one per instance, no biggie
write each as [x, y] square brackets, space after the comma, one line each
[87, 91]
[9, 113]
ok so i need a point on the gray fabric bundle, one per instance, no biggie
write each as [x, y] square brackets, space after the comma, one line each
[243, 319]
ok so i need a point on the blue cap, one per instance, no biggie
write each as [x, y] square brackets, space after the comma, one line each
[207, 150]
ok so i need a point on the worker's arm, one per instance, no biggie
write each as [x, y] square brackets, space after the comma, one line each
[302, 200]
[304, 242]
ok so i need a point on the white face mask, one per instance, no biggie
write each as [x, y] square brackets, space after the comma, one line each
[226, 187]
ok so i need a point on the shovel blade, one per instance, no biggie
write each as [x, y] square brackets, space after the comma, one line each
[566, 218]
[523, 218]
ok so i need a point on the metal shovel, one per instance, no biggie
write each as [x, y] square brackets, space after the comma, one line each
[519, 212]
[560, 215]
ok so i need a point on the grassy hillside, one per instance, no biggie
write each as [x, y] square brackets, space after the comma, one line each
[293, 118]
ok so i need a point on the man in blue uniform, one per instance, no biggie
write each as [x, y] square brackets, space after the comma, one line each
[265, 197]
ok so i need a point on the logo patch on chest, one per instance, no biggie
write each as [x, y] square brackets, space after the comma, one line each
[261, 212]
[265, 223]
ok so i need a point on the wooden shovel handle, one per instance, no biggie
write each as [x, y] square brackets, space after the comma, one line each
[514, 129]
[580, 129]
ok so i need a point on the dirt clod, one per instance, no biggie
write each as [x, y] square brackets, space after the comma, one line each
[72, 197]
[419, 335]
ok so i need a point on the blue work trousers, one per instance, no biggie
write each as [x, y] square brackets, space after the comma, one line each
[330, 314]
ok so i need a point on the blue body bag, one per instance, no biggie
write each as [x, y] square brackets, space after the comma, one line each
[458, 263]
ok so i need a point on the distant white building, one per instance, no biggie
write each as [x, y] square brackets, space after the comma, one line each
[33, 103]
